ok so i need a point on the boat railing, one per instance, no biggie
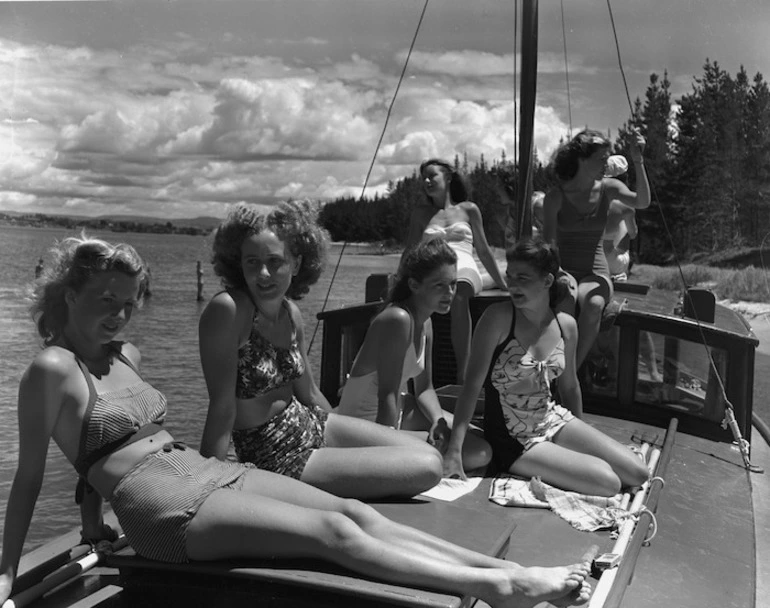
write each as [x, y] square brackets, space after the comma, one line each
[649, 365]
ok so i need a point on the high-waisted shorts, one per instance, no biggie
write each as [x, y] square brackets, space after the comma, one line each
[157, 499]
[284, 443]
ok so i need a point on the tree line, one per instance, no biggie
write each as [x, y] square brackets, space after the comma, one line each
[39, 220]
[707, 158]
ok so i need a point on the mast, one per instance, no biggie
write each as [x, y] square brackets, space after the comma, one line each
[523, 210]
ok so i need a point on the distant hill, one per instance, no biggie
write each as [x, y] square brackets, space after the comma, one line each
[207, 223]
[196, 222]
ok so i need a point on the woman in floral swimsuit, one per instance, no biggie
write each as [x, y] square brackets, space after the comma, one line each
[518, 348]
[261, 388]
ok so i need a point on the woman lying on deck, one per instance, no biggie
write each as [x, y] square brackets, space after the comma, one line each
[84, 390]
[528, 345]
[261, 388]
[398, 348]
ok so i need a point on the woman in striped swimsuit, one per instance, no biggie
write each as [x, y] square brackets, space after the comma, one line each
[519, 347]
[84, 391]
[575, 218]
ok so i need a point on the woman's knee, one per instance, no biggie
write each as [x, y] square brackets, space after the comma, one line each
[637, 474]
[593, 306]
[608, 482]
[429, 467]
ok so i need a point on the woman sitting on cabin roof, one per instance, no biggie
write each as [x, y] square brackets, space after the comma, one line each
[449, 214]
[519, 347]
[261, 388]
[84, 390]
[398, 348]
[575, 218]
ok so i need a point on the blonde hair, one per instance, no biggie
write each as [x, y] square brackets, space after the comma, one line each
[74, 262]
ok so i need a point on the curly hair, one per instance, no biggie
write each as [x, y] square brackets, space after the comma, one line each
[417, 263]
[565, 160]
[293, 222]
[74, 262]
[459, 187]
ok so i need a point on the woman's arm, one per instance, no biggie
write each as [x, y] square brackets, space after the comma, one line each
[569, 387]
[424, 393]
[305, 387]
[392, 331]
[551, 206]
[481, 245]
[492, 326]
[218, 344]
[618, 190]
[40, 399]
[418, 221]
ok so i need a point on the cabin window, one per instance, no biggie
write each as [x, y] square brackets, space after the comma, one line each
[676, 374]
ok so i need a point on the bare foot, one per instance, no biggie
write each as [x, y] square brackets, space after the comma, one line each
[576, 597]
[527, 587]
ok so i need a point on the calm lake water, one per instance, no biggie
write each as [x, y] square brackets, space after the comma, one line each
[165, 330]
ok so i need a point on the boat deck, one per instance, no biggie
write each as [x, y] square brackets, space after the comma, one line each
[703, 553]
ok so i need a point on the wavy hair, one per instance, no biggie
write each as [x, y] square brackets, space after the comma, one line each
[459, 187]
[74, 262]
[293, 222]
[542, 256]
[565, 160]
[417, 263]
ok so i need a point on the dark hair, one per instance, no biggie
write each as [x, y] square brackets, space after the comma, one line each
[75, 261]
[293, 222]
[459, 187]
[539, 254]
[565, 160]
[417, 263]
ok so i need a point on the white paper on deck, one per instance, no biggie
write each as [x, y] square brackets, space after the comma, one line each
[451, 489]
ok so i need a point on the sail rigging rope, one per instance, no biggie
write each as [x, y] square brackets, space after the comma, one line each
[566, 69]
[371, 164]
[729, 419]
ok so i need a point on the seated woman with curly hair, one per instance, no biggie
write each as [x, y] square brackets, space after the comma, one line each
[261, 388]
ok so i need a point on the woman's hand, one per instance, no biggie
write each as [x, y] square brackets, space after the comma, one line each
[438, 435]
[104, 532]
[453, 465]
[637, 147]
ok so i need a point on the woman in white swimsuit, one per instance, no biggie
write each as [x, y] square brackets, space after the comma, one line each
[519, 347]
[450, 215]
[398, 349]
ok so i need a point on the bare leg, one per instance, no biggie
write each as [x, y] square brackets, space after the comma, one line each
[247, 524]
[461, 327]
[582, 459]
[581, 437]
[593, 295]
[368, 460]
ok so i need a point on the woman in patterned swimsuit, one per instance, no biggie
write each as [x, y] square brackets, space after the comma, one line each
[575, 218]
[448, 214]
[261, 388]
[519, 347]
[84, 391]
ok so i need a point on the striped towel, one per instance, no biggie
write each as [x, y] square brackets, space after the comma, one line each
[583, 512]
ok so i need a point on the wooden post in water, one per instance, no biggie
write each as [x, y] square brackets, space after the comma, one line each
[199, 273]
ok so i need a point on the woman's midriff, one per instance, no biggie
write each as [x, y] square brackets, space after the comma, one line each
[257, 411]
[105, 474]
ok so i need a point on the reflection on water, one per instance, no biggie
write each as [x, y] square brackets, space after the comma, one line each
[165, 330]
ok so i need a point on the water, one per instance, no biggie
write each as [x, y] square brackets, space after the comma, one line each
[165, 330]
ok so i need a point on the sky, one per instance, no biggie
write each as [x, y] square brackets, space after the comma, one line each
[182, 108]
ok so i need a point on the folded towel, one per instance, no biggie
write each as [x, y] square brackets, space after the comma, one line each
[583, 512]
